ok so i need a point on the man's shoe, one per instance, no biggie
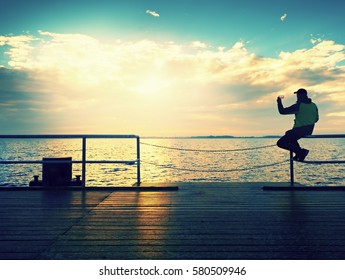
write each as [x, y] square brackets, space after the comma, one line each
[303, 155]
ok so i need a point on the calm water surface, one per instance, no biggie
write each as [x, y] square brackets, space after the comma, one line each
[167, 165]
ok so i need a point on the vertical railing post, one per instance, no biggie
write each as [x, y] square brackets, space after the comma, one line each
[292, 180]
[83, 168]
[138, 162]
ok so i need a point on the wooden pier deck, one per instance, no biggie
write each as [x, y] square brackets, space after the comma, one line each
[199, 221]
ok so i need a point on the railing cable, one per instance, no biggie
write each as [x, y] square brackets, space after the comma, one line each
[323, 161]
[207, 151]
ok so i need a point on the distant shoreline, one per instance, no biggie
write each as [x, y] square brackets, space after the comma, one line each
[211, 137]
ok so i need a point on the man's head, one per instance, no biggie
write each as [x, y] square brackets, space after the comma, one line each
[302, 95]
[301, 91]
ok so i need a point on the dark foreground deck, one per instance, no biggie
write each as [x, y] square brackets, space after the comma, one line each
[199, 221]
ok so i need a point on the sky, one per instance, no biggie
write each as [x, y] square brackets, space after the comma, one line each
[168, 68]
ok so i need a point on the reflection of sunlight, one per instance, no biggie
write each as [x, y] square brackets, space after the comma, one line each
[111, 174]
[152, 170]
[152, 219]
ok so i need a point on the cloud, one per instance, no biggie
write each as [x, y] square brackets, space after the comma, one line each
[315, 40]
[17, 87]
[199, 45]
[20, 102]
[77, 77]
[152, 13]
[336, 114]
[283, 17]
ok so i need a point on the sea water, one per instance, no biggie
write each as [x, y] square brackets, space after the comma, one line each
[169, 160]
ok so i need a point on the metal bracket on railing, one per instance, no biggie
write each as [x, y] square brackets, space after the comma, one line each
[292, 180]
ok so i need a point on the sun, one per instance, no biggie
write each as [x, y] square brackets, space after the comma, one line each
[153, 84]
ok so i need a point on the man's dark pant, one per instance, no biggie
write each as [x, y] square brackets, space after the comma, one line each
[290, 140]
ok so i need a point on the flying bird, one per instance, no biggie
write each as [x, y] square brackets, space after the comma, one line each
[152, 13]
[283, 17]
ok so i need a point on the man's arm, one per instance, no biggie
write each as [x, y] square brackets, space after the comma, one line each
[288, 110]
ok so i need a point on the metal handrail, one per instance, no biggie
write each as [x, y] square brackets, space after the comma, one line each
[83, 162]
[317, 136]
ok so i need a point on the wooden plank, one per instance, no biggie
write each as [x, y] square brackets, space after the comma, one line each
[200, 221]
[23, 246]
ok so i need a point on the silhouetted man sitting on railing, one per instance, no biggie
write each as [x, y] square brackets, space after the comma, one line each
[306, 115]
